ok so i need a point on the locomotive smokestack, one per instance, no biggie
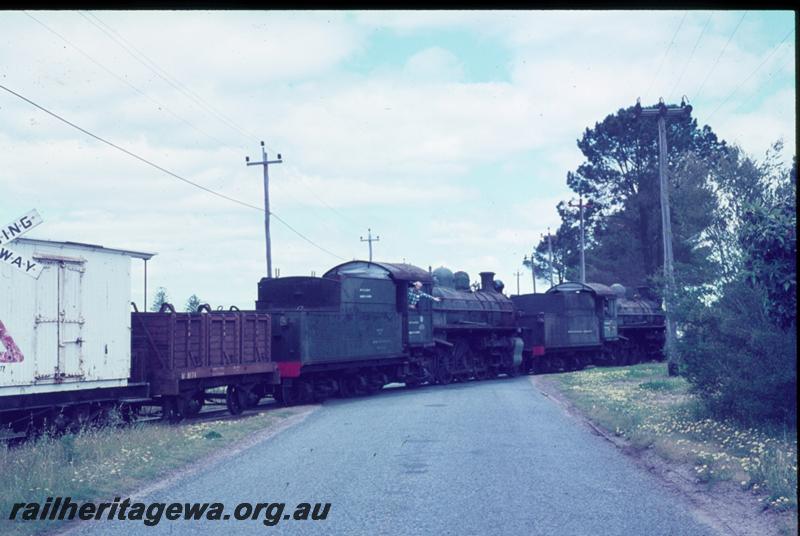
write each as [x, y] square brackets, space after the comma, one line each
[487, 281]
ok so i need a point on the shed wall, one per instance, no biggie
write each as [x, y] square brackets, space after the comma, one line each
[71, 325]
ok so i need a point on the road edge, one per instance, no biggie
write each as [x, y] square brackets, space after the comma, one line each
[205, 463]
[728, 511]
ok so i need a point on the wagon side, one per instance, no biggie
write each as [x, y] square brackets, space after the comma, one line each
[188, 357]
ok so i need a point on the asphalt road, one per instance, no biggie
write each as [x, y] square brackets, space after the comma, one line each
[481, 458]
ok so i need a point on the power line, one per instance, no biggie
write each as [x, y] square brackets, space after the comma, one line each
[691, 55]
[764, 61]
[298, 233]
[121, 79]
[714, 66]
[142, 58]
[299, 175]
[168, 172]
[773, 73]
[169, 79]
[666, 52]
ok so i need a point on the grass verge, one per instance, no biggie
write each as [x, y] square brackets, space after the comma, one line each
[653, 410]
[100, 464]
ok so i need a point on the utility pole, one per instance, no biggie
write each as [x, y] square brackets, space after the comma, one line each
[550, 254]
[264, 162]
[533, 269]
[518, 273]
[581, 206]
[370, 240]
[662, 111]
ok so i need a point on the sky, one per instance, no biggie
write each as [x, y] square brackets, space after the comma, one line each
[449, 134]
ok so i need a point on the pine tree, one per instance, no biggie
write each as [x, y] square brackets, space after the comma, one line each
[159, 299]
[192, 304]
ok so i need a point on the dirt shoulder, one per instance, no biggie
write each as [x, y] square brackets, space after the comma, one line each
[721, 504]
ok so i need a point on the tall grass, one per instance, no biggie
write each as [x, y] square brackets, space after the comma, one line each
[101, 463]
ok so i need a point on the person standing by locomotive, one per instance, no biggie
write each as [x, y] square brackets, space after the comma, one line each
[415, 293]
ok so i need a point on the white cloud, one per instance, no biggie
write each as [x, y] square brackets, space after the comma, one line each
[434, 64]
[441, 166]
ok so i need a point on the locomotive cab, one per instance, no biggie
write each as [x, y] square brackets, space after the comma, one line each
[417, 330]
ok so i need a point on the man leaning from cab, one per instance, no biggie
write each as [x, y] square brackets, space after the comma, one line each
[415, 293]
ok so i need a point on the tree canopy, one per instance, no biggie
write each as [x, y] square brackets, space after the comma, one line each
[620, 176]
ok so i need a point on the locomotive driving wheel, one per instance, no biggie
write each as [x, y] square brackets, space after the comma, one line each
[463, 361]
[481, 367]
[443, 374]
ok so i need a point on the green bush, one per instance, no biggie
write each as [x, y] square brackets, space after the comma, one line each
[738, 359]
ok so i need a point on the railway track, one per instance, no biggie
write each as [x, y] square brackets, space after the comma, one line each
[210, 412]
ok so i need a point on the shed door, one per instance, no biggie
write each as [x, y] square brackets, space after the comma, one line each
[70, 320]
[46, 324]
[59, 323]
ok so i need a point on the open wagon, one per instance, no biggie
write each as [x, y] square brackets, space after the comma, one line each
[187, 357]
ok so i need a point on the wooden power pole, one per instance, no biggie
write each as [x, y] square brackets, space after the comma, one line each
[581, 206]
[518, 273]
[533, 268]
[550, 254]
[264, 162]
[370, 240]
[662, 111]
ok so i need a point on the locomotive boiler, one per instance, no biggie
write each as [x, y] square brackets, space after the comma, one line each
[475, 330]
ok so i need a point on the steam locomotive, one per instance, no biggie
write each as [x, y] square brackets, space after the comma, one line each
[353, 330]
[573, 325]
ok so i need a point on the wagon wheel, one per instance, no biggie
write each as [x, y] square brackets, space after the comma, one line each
[538, 366]
[253, 395]
[79, 418]
[347, 387]
[128, 412]
[284, 394]
[305, 392]
[234, 399]
[375, 384]
[557, 364]
[193, 403]
[171, 410]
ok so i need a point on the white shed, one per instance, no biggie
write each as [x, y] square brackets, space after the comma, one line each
[69, 329]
